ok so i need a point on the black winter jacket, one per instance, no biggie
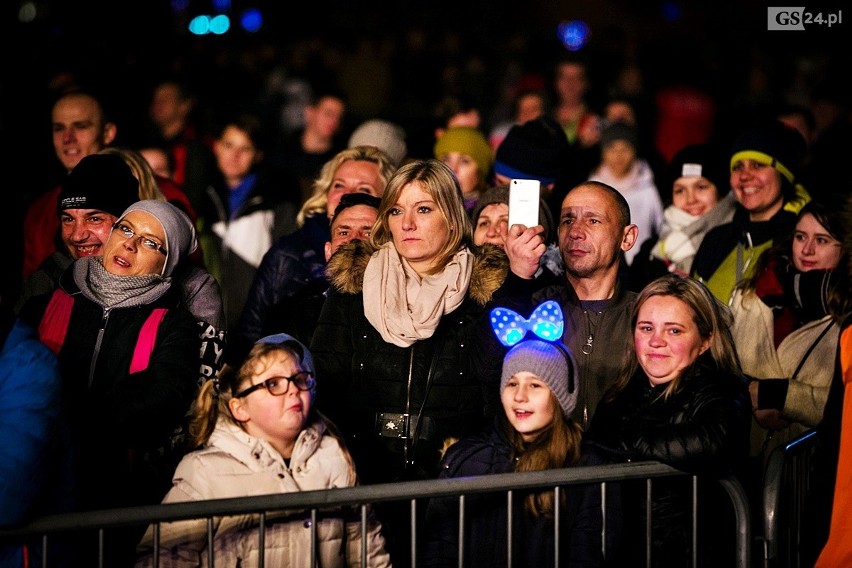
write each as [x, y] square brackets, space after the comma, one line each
[703, 428]
[363, 380]
[486, 515]
[122, 423]
[293, 262]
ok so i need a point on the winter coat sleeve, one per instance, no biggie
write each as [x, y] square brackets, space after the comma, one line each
[29, 419]
[701, 440]
[267, 289]
[333, 351]
[201, 295]
[377, 556]
[186, 539]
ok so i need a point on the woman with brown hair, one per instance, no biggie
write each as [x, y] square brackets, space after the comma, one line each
[784, 329]
[679, 399]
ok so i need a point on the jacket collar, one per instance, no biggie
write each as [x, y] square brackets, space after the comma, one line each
[347, 265]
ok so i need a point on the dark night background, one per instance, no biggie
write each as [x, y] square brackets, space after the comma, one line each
[122, 47]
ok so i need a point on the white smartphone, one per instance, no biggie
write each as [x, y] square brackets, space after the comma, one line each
[524, 201]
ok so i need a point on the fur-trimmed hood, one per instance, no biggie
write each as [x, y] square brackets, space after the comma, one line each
[346, 269]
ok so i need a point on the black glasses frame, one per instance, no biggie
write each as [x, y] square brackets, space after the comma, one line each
[308, 383]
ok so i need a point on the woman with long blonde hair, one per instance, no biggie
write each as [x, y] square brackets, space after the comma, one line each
[395, 338]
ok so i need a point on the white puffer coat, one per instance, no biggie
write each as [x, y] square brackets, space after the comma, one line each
[235, 464]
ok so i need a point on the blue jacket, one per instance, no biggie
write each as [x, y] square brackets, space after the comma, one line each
[293, 262]
[35, 472]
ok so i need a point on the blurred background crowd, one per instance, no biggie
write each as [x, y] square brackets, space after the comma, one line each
[399, 61]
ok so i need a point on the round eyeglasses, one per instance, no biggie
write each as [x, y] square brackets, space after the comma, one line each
[144, 241]
[280, 385]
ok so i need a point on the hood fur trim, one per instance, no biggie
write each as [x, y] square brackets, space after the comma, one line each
[345, 270]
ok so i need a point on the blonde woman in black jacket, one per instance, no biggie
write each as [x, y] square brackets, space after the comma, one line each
[394, 344]
[680, 399]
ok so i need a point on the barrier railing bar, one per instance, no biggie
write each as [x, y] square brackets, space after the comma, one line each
[369, 494]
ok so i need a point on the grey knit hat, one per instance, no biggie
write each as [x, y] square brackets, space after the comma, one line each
[554, 364]
[181, 239]
[382, 134]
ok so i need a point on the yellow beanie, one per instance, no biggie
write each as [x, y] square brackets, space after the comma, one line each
[466, 140]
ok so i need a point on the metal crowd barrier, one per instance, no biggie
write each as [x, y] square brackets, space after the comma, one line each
[786, 484]
[50, 527]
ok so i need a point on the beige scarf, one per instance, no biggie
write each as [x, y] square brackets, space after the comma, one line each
[405, 307]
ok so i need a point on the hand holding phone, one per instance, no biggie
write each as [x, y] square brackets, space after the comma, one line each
[524, 202]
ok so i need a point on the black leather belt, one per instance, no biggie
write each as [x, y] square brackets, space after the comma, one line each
[404, 426]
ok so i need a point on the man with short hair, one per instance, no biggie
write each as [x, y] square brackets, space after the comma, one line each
[172, 126]
[594, 232]
[80, 127]
[298, 313]
[353, 219]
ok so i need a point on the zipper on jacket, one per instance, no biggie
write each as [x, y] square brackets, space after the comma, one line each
[586, 360]
[407, 443]
[104, 320]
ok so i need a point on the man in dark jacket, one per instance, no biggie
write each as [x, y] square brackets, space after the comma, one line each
[594, 231]
[297, 310]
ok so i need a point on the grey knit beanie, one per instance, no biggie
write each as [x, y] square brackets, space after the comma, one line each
[552, 363]
[384, 135]
[181, 240]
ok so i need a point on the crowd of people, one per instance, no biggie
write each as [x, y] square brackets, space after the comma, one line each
[244, 313]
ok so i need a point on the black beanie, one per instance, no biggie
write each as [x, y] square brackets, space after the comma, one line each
[774, 144]
[704, 160]
[620, 131]
[537, 149]
[99, 181]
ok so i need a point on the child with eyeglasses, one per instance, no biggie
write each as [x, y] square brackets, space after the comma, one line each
[256, 432]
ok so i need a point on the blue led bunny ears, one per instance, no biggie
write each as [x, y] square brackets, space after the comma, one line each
[546, 322]
[543, 355]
